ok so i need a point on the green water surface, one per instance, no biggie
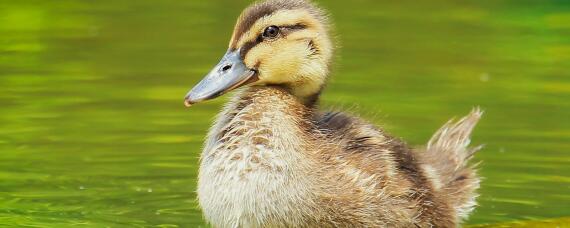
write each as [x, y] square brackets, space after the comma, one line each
[93, 131]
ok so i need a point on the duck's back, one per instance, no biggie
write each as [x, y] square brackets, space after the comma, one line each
[401, 186]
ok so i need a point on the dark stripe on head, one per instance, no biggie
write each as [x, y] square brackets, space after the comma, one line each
[293, 27]
[285, 29]
[259, 10]
[248, 46]
[314, 49]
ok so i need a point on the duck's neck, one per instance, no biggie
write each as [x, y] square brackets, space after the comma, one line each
[272, 100]
[307, 94]
[268, 117]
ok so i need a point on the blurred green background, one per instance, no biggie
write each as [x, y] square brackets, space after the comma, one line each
[93, 131]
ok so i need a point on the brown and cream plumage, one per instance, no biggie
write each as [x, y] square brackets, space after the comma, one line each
[273, 160]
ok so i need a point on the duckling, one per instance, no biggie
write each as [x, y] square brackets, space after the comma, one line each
[272, 159]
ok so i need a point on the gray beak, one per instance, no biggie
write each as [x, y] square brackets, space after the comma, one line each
[229, 74]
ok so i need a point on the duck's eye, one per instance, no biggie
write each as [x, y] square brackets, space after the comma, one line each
[271, 32]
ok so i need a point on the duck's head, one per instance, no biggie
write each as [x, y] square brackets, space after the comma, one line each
[274, 43]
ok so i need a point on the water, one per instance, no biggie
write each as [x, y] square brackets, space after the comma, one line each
[93, 131]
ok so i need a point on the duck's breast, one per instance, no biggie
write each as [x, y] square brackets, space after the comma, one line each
[251, 168]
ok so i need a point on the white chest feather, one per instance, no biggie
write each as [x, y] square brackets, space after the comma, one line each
[247, 171]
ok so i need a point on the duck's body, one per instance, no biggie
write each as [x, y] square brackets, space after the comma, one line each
[273, 160]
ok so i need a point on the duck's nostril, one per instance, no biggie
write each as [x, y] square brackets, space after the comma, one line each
[227, 67]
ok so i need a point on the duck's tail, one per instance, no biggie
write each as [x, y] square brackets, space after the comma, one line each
[447, 154]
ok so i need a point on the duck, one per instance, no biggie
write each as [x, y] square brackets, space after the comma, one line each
[272, 158]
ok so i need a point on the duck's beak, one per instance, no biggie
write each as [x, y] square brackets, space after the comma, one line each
[229, 74]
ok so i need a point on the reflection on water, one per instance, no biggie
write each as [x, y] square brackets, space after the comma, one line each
[93, 130]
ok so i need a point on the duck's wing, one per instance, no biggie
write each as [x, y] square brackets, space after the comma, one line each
[368, 146]
[368, 154]
[441, 167]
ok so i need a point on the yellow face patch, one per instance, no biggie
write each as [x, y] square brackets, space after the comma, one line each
[298, 57]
